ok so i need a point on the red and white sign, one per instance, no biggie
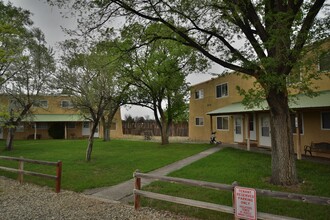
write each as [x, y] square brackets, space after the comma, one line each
[245, 200]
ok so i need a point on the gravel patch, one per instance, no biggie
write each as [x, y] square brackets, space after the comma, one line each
[29, 201]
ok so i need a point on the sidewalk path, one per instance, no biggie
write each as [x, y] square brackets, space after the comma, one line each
[123, 192]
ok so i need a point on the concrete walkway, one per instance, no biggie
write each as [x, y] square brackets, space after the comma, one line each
[123, 192]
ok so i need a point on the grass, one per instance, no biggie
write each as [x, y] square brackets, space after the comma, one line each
[250, 170]
[112, 162]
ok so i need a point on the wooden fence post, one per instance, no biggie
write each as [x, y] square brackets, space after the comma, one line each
[137, 185]
[58, 176]
[234, 184]
[20, 170]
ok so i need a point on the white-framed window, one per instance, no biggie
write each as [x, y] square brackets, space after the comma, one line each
[113, 126]
[222, 90]
[294, 78]
[41, 103]
[324, 62]
[223, 123]
[71, 124]
[41, 125]
[66, 104]
[199, 94]
[294, 122]
[20, 128]
[14, 104]
[325, 120]
[199, 121]
[86, 124]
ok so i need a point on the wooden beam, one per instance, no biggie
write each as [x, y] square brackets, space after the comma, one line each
[217, 186]
[298, 136]
[204, 205]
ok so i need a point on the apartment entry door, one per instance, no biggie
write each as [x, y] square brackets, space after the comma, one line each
[252, 127]
[238, 128]
[86, 129]
[264, 131]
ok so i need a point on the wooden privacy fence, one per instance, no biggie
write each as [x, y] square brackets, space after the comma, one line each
[138, 128]
[21, 170]
[216, 207]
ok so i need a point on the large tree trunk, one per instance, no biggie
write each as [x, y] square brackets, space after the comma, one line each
[106, 134]
[164, 131]
[10, 138]
[89, 147]
[165, 137]
[283, 159]
[91, 142]
[106, 129]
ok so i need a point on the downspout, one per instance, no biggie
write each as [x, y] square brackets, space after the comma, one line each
[248, 132]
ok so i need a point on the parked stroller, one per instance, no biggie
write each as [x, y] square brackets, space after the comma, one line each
[213, 140]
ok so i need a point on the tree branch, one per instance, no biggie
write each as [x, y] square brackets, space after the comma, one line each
[191, 42]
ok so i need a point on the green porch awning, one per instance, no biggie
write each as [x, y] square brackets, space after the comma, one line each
[56, 118]
[301, 102]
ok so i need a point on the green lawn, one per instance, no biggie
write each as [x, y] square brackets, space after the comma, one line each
[112, 162]
[250, 170]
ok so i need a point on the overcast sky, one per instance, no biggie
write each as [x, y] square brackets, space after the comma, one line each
[50, 20]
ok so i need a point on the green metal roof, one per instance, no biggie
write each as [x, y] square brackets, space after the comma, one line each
[56, 118]
[301, 102]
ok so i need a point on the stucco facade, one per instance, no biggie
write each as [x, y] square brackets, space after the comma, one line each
[57, 113]
[214, 107]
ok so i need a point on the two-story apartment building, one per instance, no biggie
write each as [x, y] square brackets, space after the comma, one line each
[55, 117]
[215, 105]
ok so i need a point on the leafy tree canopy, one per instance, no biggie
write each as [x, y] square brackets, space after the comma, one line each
[261, 38]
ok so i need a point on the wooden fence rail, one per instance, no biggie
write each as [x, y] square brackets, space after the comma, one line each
[21, 170]
[226, 209]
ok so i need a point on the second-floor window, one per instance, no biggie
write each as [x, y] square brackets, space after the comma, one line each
[199, 121]
[66, 104]
[41, 103]
[14, 104]
[324, 62]
[294, 78]
[222, 90]
[199, 94]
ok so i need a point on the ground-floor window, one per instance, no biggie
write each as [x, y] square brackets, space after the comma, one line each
[325, 117]
[113, 126]
[20, 128]
[71, 125]
[265, 126]
[199, 121]
[223, 123]
[40, 125]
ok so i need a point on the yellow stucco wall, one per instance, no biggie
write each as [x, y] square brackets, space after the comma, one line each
[200, 107]
[54, 107]
[312, 131]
